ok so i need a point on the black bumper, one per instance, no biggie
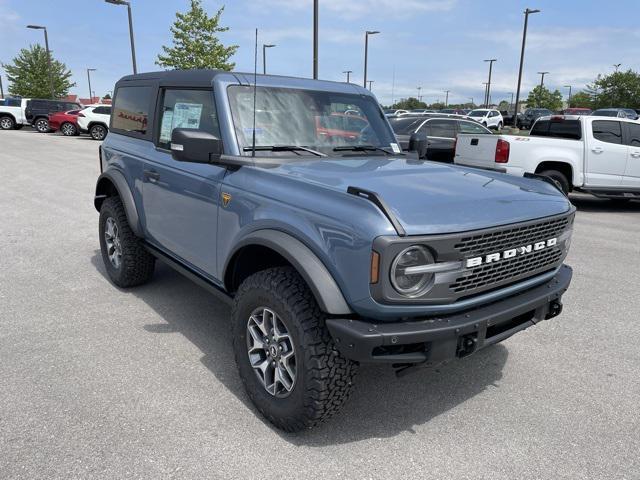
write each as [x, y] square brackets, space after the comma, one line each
[438, 339]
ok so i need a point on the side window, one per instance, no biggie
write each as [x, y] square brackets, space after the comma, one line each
[634, 134]
[607, 131]
[102, 110]
[440, 128]
[192, 109]
[131, 109]
[473, 128]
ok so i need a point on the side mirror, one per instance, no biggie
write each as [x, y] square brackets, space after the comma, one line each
[419, 143]
[198, 146]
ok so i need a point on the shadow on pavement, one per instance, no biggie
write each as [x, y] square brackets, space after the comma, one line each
[588, 203]
[381, 405]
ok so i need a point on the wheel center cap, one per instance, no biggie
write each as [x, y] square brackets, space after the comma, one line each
[273, 351]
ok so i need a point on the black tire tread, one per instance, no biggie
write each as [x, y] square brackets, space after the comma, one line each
[330, 376]
[137, 263]
[561, 177]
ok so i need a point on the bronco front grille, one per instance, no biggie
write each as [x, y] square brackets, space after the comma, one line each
[485, 243]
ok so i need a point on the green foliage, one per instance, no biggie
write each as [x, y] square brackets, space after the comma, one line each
[619, 89]
[28, 74]
[107, 97]
[410, 103]
[437, 106]
[195, 42]
[504, 105]
[542, 97]
[581, 100]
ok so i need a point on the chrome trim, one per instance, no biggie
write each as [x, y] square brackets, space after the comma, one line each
[434, 268]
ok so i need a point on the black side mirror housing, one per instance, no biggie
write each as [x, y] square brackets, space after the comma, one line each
[197, 146]
[419, 143]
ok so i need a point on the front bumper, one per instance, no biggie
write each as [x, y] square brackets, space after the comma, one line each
[442, 338]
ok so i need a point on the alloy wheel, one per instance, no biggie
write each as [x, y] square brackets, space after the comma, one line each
[112, 240]
[6, 123]
[271, 352]
[98, 133]
[68, 130]
[42, 126]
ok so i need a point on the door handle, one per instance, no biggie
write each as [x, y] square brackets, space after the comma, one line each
[152, 175]
[597, 149]
[635, 154]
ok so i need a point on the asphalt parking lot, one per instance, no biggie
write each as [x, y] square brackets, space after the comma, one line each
[97, 382]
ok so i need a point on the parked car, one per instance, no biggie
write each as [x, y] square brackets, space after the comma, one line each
[37, 111]
[66, 122]
[441, 132]
[577, 111]
[331, 254]
[584, 153]
[391, 112]
[12, 113]
[94, 120]
[422, 110]
[531, 115]
[454, 111]
[616, 112]
[488, 117]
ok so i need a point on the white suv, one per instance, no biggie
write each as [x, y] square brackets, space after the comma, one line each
[95, 121]
[488, 117]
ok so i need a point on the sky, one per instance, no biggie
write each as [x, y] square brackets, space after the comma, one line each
[434, 44]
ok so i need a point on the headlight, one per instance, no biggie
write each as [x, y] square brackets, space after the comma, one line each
[406, 276]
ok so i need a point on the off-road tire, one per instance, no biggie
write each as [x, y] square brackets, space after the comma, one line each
[324, 378]
[7, 123]
[42, 125]
[98, 132]
[68, 129]
[137, 264]
[559, 178]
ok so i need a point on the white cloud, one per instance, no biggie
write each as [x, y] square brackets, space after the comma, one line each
[275, 35]
[358, 8]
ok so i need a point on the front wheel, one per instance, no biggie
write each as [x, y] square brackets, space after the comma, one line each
[42, 125]
[499, 126]
[98, 132]
[7, 123]
[286, 358]
[68, 129]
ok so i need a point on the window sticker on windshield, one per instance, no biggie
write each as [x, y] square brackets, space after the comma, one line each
[395, 148]
[186, 115]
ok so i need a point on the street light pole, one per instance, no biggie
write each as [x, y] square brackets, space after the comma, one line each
[511, 103]
[46, 44]
[370, 82]
[489, 82]
[527, 12]
[348, 72]
[472, 102]
[446, 101]
[542, 74]
[133, 47]
[419, 94]
[568, 101]
[315, 39]
[1, 89]
[89, 70]
[264, 57]
[485, 102]
[366, 52]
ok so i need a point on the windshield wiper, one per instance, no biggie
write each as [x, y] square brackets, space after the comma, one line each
[364, 148]
[284, 148]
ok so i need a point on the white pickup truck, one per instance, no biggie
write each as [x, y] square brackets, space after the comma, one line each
[12, 114]
[598, 155]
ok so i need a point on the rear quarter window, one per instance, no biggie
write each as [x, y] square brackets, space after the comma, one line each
[568, 129]
[131, 110]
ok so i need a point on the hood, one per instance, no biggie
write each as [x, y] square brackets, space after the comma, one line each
[433, 198]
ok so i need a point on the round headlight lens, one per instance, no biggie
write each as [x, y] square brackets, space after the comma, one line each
[406, 282]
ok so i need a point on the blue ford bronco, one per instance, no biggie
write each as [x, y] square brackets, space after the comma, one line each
[291, 199]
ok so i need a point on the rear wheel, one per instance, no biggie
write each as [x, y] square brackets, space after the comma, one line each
[68, 129]
[98, 132]
[499, 126]
[286, 358]
[7, 123]
[42, 125]
[559, 179]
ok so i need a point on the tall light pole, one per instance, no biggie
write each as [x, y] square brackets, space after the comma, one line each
[616, 66]
[264, 57]
[568, 101]
[370, 82]
[89, 70]
[511, 103]
[366, 52]
[1, 89]
[489, 82]
[472, 102]
[527, 12]
[446, 100]
[419, 94]
[133, 47]
[542, 74]
[46, 44]
[315, 39]
[348, 72]
[485, 103]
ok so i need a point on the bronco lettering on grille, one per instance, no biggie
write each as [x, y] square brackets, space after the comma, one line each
[512, 252]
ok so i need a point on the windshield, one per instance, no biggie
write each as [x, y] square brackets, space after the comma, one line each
[317, 120]
[405, 125]
[477, 113]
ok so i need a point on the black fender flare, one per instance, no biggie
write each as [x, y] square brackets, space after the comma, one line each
[115, 178]
[309, 266]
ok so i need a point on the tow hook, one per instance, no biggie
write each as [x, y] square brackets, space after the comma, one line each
[467, 345]
[555, 309]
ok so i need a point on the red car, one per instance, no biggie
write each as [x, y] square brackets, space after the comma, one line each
[66, 122]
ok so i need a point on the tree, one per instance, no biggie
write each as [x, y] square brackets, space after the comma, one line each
[28, 74]
[195, 42]
[410, 103]
[618, 89]
[542, 97]
[504, 106]
[107, 97]
[581, 100]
